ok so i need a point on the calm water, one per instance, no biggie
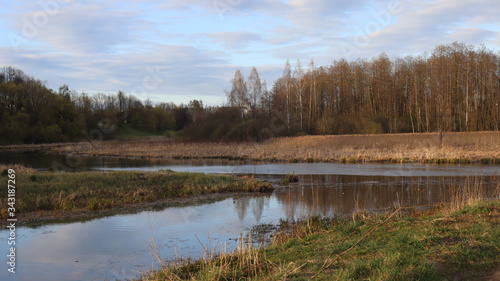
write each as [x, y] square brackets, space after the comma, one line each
[119, 247]
[218, 166]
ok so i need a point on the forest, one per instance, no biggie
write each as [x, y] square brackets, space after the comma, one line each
[454, 88]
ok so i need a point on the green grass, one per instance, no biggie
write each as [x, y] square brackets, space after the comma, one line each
[424, 245]
[60, 191]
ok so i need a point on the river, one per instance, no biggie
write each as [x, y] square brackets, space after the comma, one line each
[120, 247]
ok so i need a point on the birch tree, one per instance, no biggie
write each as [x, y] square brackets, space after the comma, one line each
[298, 76]
[238, 96]
[287, 80]
[254, 90]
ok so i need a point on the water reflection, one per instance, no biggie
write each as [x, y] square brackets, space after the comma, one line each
[329, 195]
[118, 247]
[254, 205]
[43, 161]
[225, 166]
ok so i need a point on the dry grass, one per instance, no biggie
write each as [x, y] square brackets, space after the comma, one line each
[450, 147]
[227, 265]
[425, 147]
[453, 239]
[470, 193]
[48, 194]
[18, 168]
[425, 245]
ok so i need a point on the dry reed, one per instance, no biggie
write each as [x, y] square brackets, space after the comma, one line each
[244, 260]
[423, 147]
[469, 193]
[18, 168]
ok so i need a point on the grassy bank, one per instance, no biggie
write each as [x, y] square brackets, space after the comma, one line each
[443, 243]
[46, 193]
[453, 148]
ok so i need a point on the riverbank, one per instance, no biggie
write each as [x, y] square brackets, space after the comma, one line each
[452, 148]
[445, 242]
[42, 196]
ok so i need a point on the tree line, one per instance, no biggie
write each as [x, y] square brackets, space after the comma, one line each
[454, 88]
[32, 113]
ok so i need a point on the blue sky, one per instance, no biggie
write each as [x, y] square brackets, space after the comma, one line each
[176, 51]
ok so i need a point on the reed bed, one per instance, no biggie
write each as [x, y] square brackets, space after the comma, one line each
[471, 192]
[17, 168]
[453, 148]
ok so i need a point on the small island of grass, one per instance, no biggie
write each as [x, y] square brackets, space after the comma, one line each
[52, 195]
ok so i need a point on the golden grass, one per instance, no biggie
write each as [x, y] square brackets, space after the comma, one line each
[244, 260]
[45, 195]
[469, 193]
[423, 147]
[18, 168]
[451, 147]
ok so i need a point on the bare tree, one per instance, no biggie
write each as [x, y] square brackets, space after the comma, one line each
[298, 76]
[312, 93]
[287, 80]
[266, 100]
[254, 90]
[196, 110]
[238, 96]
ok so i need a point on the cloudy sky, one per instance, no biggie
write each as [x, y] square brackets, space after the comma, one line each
[179, 50]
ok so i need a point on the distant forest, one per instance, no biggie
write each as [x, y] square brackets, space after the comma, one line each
[454, 88]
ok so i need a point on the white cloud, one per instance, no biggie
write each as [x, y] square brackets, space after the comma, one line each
[109, 46]
[88, 29]
[420, 27]
[235, 40]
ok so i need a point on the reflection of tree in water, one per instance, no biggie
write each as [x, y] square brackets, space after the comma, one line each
[258, 207]
[241, 207]
[256, 204]
[328, 195]
[343, 194]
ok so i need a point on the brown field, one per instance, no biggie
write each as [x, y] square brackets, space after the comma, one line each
[454, 148]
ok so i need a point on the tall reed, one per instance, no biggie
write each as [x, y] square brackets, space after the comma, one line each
[452, 148]
[469, 193]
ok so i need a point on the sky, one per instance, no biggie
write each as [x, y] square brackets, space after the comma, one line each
[180, 50]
